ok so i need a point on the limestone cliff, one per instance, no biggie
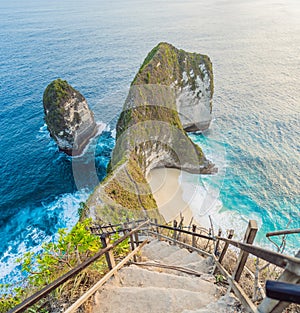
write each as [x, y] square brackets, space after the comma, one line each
[191, 76]
[70, 121]
[168, 95]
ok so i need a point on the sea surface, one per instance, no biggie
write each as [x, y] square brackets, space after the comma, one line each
[98, 46]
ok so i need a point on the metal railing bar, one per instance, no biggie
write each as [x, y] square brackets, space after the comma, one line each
[283, 291]
[115, 225]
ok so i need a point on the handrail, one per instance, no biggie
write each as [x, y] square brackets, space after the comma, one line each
[283, 232]
[115, 225]
[291, 264]
[281, 260]
[47, 289]
[183, 231]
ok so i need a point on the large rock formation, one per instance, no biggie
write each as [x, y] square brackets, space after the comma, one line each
[191, 76]
[151, 132]
[70, 121]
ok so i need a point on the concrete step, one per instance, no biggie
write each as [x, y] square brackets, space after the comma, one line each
[205, 265]
[140, 277]
[149, 300]
[158, 250]
[226, 304]
[164, 253]
[182, 256]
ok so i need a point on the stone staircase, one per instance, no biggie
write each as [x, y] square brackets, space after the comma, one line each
[163, 284]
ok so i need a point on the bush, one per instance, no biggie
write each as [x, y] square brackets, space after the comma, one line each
[55, 259]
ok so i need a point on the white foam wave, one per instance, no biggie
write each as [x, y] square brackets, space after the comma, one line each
[33, 236]
[203, 199]
[43, 133]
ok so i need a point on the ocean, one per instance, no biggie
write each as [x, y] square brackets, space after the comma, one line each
[98, 46]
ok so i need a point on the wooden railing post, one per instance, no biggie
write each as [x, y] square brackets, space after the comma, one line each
[230, 235]
[136, 235]
[108, 255]
[175, 232]
[180, 225]
[218, 242]
[249, 238]
[194, 229]
[157, 230]
[131, 240]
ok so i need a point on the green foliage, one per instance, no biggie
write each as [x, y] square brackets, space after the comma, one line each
[57, 258]
[54, 98]
[121, 249]
[9, 297]
[56, 92]
[81, 210]
[220, 278]
[150, 56]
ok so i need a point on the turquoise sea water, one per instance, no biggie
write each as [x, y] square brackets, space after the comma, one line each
[98, 47]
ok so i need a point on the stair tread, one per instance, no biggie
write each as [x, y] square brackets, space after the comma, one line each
[136, 276]
[158, 249]
[225, 304]
[149, 299]
[151, 289]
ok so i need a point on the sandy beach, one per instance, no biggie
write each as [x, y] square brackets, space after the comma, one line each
[167, 191]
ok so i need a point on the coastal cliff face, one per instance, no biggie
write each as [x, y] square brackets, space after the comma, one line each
[70, 121]
[170, 87]
[191, 76]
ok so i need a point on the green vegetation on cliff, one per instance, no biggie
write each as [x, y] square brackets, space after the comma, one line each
[55, 95]
[166, 64]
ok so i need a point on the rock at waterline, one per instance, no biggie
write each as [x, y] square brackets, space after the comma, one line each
[68, 117]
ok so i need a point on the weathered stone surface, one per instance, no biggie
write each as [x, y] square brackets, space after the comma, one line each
[68, 117]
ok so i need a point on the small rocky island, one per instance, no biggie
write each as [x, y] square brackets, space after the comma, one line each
[70, 121]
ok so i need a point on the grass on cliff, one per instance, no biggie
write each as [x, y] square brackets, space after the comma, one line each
[165, 64]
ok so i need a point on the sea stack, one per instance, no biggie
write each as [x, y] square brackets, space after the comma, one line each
[170, 95]
[68, 117]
